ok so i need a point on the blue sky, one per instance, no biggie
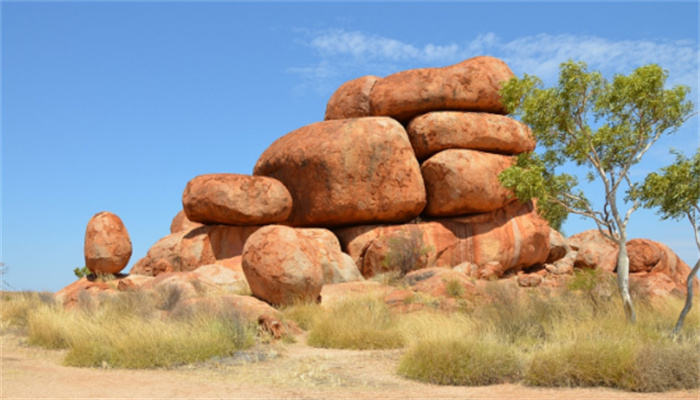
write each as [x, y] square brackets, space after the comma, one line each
[117, 105]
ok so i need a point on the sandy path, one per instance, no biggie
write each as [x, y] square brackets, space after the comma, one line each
[291, 371]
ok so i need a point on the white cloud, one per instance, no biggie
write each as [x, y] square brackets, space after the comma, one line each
[350, 54]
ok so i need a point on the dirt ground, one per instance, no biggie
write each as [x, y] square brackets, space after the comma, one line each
[275, 371]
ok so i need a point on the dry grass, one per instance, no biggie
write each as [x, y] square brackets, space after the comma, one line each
[127, 331]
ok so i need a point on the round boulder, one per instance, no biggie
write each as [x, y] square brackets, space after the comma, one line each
[233, 199]
[459, 182]
[351, 100]
[347, 171]
[107, 244]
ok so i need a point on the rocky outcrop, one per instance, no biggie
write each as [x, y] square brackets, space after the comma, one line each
[459, 182]
[351, 100]
[471, 85]
[188, 250]
[107, 244]
[657, 269]
[234, 199]
[433, 132]
[499, 242]
[284, 265]
[593, 250]
[349, 171]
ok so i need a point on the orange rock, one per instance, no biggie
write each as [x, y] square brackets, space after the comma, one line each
[348, 171]
[335, 293]
[558, 248]
[459, 182]
[187, 250]
[84, 288]
[513, 237]
[351, 100]
[657, 268]
[594, 250]
[471, 85]
[181, 223]
[436, 131]
[235, 199]
[284, 265]
[107, 244]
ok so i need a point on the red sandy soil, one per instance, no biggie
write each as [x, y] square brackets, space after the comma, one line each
[272, 371]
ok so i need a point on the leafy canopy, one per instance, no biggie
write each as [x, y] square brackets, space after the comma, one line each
[604, 127]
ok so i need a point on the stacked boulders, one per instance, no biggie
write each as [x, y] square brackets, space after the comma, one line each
[401, 175]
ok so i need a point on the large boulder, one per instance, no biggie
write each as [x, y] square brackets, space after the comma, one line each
[459, 182]
[436, 131]
[496, 243]
[657, 268]
[235, 199]
[351, 100]
[107, 244]
[188, 250]
[284, 265]
[349, 171]
[471, 85]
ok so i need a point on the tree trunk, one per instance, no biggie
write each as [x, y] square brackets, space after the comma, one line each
[688, 300]
[623, 281]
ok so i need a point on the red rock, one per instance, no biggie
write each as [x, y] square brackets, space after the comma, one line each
[529, 280]
[471, 85]
[436, 282]
[594, 250]
[84, 288]
[436, 131]
[107, 244]
[226, 279]
[657, 268]
[513, 237]
[234, 199]
[459, 182]
[351, 100]
[187, 250]
[338, 267]
[349, 171]
[400, 250]
[181, 223]
[558, 248]
[285, 265]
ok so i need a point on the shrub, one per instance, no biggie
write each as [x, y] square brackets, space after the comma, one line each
[406, 250]
[460, 362]
[360, 324]
[304, 314]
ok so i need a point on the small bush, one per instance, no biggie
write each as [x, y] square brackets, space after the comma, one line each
[454, 288]
[406, 251]
[17, 307]
[304, 314]
[662, 367]
[360, 324]
[458, 362]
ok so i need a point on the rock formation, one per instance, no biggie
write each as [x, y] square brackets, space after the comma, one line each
[401, 176]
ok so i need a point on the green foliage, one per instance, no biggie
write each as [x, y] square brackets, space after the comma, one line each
[602, 126]
[676, 190]
[406, 251]
[81, 272]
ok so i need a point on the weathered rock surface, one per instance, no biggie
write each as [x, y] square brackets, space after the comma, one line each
[235, 199]
[471, 85]
[181, 223]
[459, 182]
[593, 250]
[187, 250]
[436, 131]
[558, 248]
[84, 289]
[349, 171]
[499, 242]
[107, 244]
[657, 268]
[351, 100]
[284, 265]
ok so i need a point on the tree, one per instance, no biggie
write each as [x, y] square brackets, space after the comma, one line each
[604, 127]
[676, 193]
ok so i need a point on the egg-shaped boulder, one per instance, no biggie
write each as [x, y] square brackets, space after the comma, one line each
[107, 244]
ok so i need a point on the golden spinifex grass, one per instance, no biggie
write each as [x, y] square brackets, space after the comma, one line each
[358, 323]
[127, 331]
